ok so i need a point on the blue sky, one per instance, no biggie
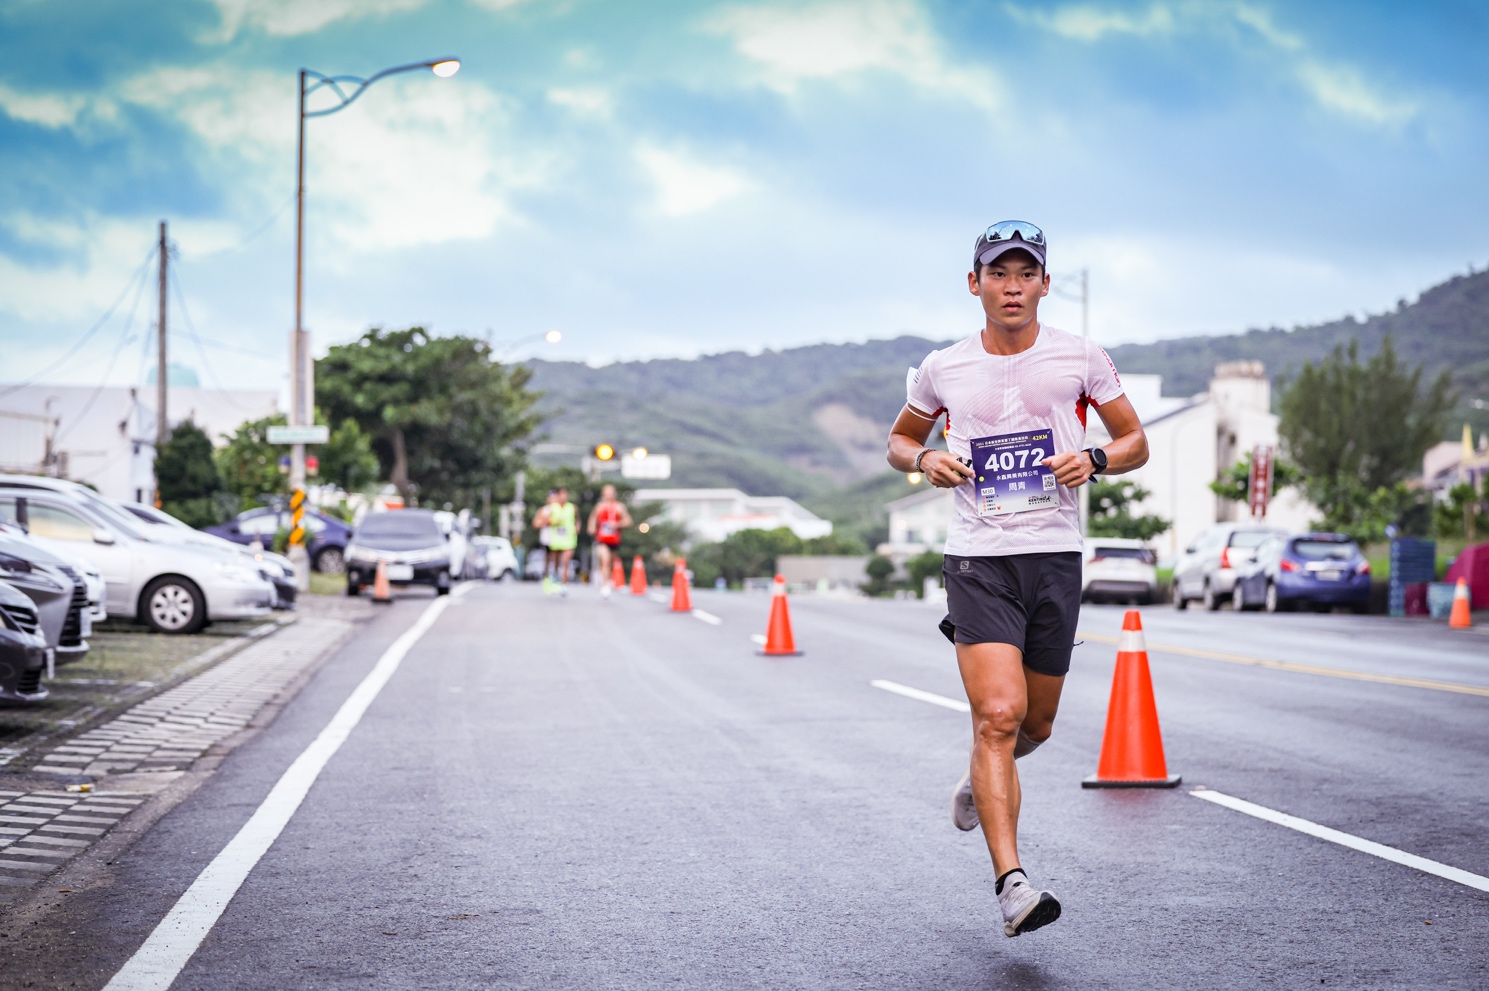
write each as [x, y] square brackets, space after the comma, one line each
[683, 178]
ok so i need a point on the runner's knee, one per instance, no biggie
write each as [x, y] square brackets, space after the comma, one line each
[997, 723]
[1038, 728]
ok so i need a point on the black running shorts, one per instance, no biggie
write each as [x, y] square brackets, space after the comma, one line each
[1031, 601]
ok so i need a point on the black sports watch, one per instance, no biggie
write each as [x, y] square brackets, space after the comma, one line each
[1098, 460]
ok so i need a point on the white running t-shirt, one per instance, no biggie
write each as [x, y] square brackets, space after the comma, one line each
[1047, 386]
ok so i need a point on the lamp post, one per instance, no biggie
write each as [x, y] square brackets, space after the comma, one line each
[302, 370]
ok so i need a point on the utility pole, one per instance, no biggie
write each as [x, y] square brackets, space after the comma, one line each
[162, 422]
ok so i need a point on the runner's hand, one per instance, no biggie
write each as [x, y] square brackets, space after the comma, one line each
[1071, 468]
[944, 471]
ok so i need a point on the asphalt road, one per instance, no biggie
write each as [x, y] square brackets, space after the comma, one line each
[601, 794]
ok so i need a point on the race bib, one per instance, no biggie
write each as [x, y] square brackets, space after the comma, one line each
[607, 529]
[1010, 478]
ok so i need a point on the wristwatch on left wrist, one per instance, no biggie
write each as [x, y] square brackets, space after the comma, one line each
[1098, 460]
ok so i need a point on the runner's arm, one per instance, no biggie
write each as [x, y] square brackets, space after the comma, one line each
[625, 517]
[1127, 450]
[907, 439]
[594, 515]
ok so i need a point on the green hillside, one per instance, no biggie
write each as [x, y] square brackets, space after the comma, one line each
[811, 422]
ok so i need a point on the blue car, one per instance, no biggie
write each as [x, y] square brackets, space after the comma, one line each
[327, 536]
[1321, 570]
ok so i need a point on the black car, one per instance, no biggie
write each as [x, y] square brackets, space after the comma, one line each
[23, 648]
[56, 589]
[414, 546]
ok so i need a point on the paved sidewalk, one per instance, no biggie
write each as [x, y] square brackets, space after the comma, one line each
[138, 753]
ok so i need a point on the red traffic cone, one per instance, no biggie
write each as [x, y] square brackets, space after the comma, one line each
[778, 639]
[1132, 749]
[682, 596]
[617, 574]
[1460, 618]
[638, 576]
[381, 590]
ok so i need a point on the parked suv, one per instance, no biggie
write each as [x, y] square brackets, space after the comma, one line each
[500, 559]
[57, 591]
[23, 649]
[1318, 569]
[1118, 570]
[326, 536]
[1207, 570]
[173, 587]
[418, 550]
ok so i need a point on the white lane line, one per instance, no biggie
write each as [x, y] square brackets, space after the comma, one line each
[757, 638]
[917, 694]
[1345, 839]
[707, 617]
[157, 963]
[659, 597]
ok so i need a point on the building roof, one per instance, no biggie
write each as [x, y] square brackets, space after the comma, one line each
[929, 494]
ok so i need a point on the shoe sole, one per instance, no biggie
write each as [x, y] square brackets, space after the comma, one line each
[1045, 911]
[955, 820]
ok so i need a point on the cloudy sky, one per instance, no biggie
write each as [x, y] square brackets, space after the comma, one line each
[676, 178]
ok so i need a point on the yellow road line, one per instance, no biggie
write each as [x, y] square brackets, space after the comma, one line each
[1261, 662]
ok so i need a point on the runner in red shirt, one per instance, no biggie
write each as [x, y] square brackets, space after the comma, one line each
[608, 519]
[1015, 396]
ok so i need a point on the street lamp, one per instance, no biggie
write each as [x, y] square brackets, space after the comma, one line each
[302, 371]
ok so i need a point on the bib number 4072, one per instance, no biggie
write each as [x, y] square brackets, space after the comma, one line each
[1010, 475]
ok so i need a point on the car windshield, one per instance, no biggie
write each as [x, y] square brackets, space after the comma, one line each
[1325, 550]
[1127, 553]
[1250, 538]
[402, 530]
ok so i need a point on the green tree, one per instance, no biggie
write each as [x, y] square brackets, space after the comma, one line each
[879, 569]
[346, 459]
[1356, 431]
[743, 554]
[1457, 516]
[187, 478]
[445, 419]
[921, 567]
[1112, 503]
[1235, 484]
[249, 464]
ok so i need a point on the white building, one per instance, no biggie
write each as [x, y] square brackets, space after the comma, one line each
[1190, 443]
[106, 436]
[713, 514]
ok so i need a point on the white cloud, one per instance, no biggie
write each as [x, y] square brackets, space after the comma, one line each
[47, 109]
[1260, 21]
[1343, 90]
[296, 17]
[499, 5]
[1085, 22]
[830, 41]
[685, 186]
[587, 102]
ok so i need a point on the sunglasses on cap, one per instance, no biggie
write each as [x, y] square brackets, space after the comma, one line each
[1008, 229]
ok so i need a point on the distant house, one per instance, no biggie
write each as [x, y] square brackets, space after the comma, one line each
[713, 514]
[1456, 462]
[106, 436]
[1190, 443]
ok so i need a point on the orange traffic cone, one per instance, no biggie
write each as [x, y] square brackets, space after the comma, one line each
[1460, 619]
[638, 576]
[1132, 749]
[617, 574]
[682, 595]
[381, 590]
[778, 639]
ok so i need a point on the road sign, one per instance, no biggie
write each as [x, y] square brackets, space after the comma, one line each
[652, 466]
[318, 434]
[1259, 485]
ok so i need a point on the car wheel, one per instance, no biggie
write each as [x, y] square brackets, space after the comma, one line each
[173, 605]
[1210, 599]
[1272, 603]
[331, 561]
[1180, 602]
[353, 589]
[1238, 598]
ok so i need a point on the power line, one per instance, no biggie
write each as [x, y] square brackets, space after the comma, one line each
[118, 347]
[255, 235]
[139, 273]
[191, 328]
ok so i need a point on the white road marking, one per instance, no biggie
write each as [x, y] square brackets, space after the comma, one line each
[157, 963]
[1345, 839]
[917, 694]
[659, 597]
[707, 617]
[757, 638]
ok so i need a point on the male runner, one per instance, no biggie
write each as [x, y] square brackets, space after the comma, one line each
[1015, 396]
[606, 521]
[545, 541]
[563, 520]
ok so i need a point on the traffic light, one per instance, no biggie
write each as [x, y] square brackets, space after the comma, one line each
[604, 452]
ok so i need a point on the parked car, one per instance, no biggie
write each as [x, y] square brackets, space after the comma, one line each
[1317, 569]
[1116, 569]
[172, 587]
[92, 578]
[417, 549]
[326, 536]
[23, 648]
[56, 590]
[501, 560]
[276, 569]
[1207, 569]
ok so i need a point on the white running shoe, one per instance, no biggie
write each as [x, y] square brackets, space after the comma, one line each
[1024, 909]
[605, 591]
[963, 808]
